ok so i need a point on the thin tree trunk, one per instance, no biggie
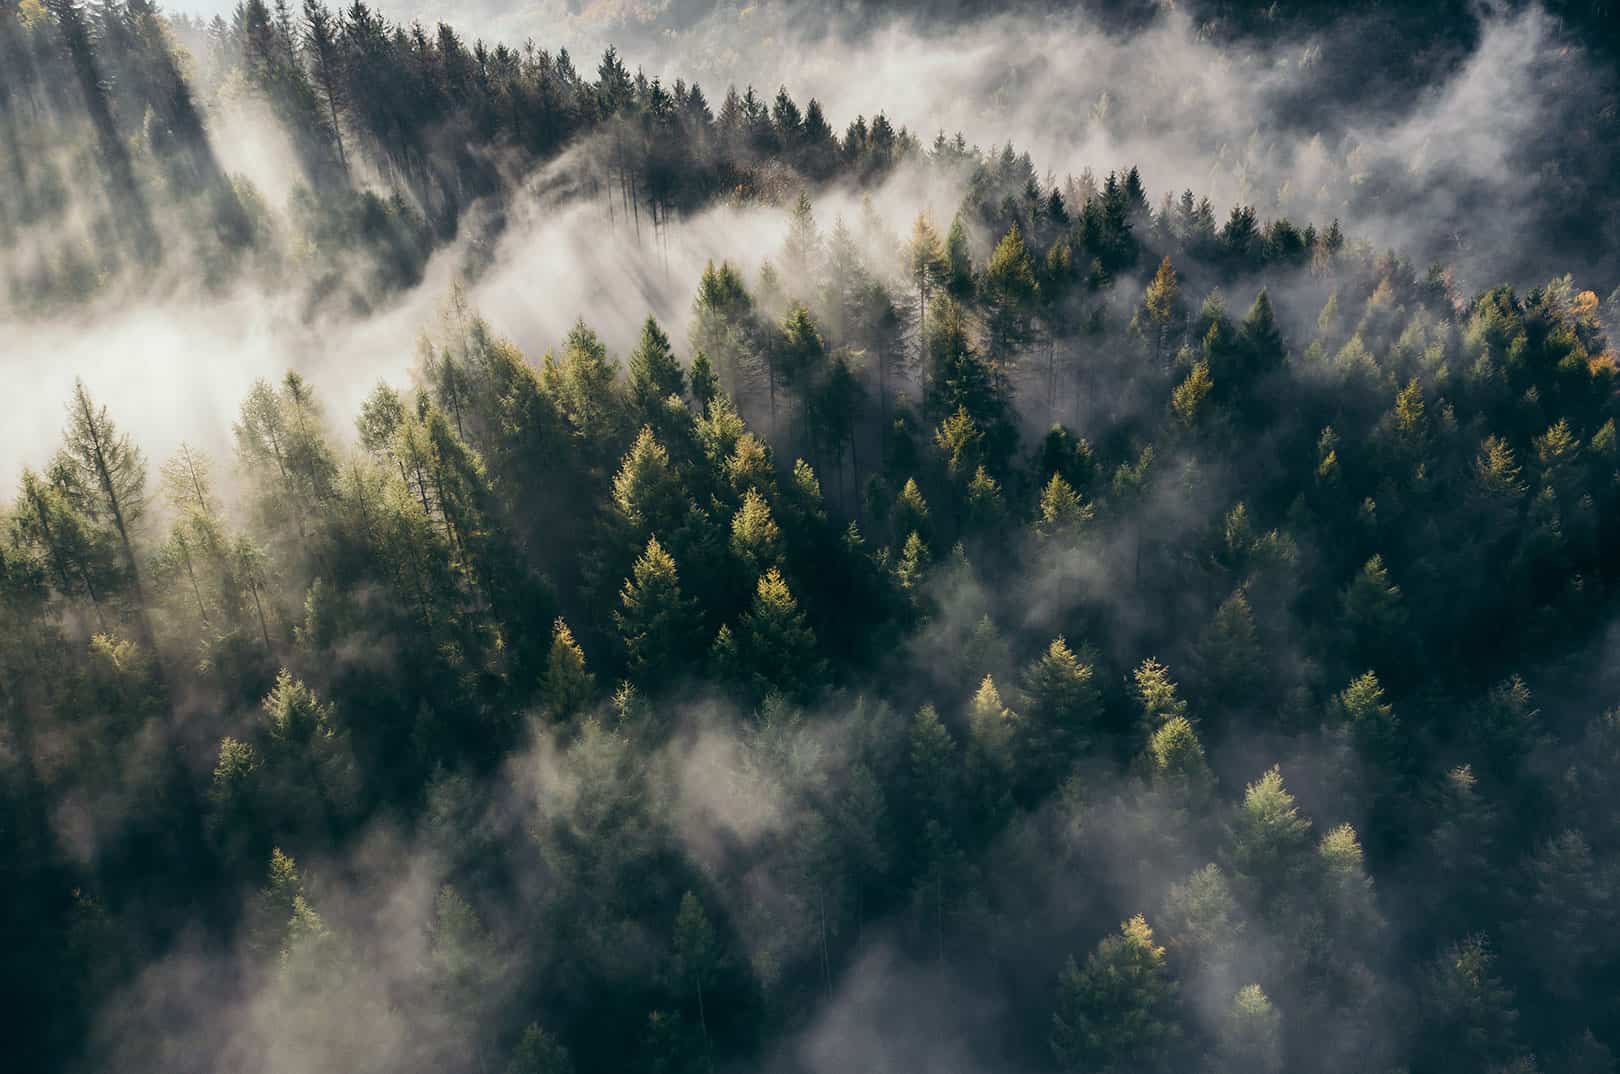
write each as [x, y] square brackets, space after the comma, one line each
[185, 554]
[826, 966]
[703, 1020]
[264, 628]
[105, 475]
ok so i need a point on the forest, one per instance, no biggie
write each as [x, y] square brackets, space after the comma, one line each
[982, 618]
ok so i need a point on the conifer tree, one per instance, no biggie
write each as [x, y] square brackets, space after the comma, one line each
[928, 267]
[958, 261]
[321, 43]
[1010, 290]
[106, 476]
[993, 725]
[1118, 1013]
[1229, 652]
[1176, 762]
[755, 537]
[647, 494]
[1187, 399]
[1064, 516]
[567, 686]
[1201, 921]
[1161, 304]
[1250, 1039]
[1061, 716]
[696, 957]
[655, 375]
[773, 648]
[538, 1052]
[910, 510]
[1268, 835]
[655, 618]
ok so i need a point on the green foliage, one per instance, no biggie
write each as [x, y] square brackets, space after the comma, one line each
[369, 630]
[1064, 516]
[655, 618]
[1470, 1013]
[1201, 919]
[1269, 837]
[1118, 1012]
[568, 687]
[646, 490]
[756, 540]
[772, 648]
[1250, 1038]
[655, 375]
[538, 1052]
[1371, 721]
[1061, 716]
[1187, 401]
[910, 510]
[1229, 652]
[1177, 760]
[1157, 696]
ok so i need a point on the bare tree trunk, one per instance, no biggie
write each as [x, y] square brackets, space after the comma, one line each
[264, 628]
[185, 554]
[703, 1020]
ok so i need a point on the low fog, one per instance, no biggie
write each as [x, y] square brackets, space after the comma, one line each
[800, 714]
[1448, 176]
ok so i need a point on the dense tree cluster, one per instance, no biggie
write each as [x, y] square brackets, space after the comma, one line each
[1215, 687]
[119, 91]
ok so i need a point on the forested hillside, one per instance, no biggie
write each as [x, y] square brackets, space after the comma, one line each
[1062, 625]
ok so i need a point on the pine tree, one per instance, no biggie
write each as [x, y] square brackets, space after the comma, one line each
[724, 329]
[1469, 1017]
[958, 261]
[1375, 612]
[655, 375]
[1201, 921]
[464, 967]
[1347, 890]
[959, 440]
[755, 538]
[655, 619]
[926, 258]
[1060, 718]
[773, 648]
[993, 726]
[1250, 1037]
[1176, 762]
[705, 383]
[1262, 338]
[696, 957]
[647, 494]
[910, 511]
[326, 59]
[1010, 291]
[1162, 306]
[1269, 837]
[79, 561]
[1371, 722]
[1187, 399]
[803, 247]
[538, 1052]
[1118, 1013]
[107, 478]
[1064, 516]
[567, 686]
[585, 386]
[1229, 653]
